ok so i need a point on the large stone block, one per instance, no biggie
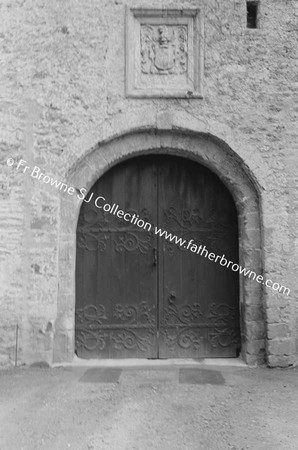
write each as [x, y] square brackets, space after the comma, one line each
[254, 313]
[273, 315]
[280, 361]
[256, 347]
[255, 330]
[281, 347]
[278, 330]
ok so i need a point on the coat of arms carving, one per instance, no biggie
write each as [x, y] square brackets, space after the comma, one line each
[164, 52]
[163, 49]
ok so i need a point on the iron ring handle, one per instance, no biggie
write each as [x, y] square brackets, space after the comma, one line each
[172, 295]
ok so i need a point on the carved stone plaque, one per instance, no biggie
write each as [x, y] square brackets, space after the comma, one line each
[164, 53]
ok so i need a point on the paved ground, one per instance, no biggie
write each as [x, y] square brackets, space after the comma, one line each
[149, 409]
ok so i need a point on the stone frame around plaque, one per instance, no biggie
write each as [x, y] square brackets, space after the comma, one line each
[164, 52]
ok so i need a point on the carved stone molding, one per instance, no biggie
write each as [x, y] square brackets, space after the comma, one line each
[164, 56]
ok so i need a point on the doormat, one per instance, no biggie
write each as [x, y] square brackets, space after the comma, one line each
[200, 376]
[99, 375]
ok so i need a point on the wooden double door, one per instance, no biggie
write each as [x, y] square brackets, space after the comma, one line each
[141, 295]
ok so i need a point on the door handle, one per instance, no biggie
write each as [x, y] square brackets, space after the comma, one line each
[155, 256]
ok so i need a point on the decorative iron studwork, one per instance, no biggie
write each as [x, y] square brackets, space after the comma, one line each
[191, 223]
[186, 338]
[130, 340]
[188, 326]
[90, 333]
[132, 242]
[182, 314]
[130, 314]
[128, 327]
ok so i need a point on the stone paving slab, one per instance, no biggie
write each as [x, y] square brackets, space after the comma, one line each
[139, 376]
[197, 376]
[96, 375]
[143, 376]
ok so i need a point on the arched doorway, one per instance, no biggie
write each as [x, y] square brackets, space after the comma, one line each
[141, 295]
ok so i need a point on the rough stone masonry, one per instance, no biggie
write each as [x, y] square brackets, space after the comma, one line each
[70, 90]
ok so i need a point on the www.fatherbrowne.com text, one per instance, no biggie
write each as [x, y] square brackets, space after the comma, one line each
[115, 210]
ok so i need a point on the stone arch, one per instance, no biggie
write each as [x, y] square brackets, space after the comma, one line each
[204, 149]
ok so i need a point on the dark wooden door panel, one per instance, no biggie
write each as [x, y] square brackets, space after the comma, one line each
[116, 314]
[134, 302]
[198, 298]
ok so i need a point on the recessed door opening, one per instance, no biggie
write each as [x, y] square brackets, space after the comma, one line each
[139, 295]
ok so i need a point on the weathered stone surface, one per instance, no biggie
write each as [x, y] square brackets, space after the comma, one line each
[5, 361]
[279, 346]
[256, 347]
[273, 315]
[278, 330]
[280, 361]
[254, 313]
[255, 330]
[63, 93]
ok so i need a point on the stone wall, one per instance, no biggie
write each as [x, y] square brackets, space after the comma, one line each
[63, 91]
